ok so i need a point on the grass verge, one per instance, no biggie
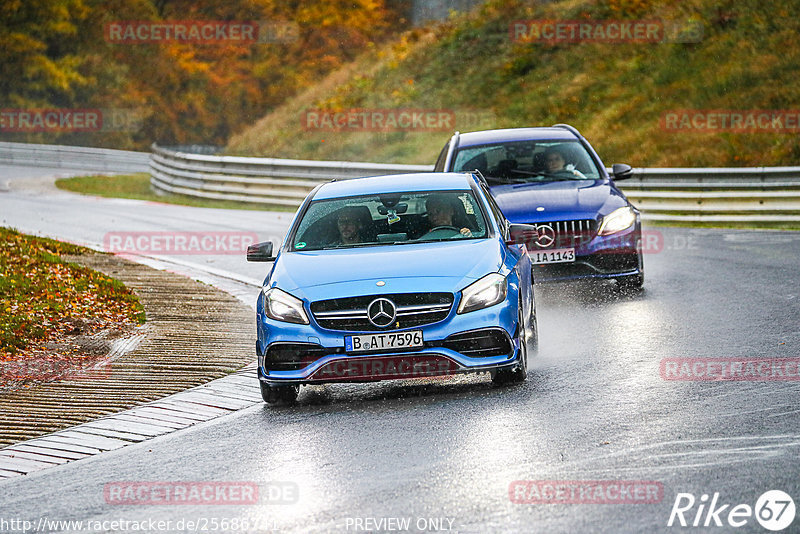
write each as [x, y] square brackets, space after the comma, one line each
[137, 186]
[616, 94]
[45, 299]
[732, 226]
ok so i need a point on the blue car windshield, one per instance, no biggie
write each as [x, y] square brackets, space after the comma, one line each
[395, 218]
[528, 161]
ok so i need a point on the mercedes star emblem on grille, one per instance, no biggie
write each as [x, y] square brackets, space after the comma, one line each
[547, 236]
[381, 312]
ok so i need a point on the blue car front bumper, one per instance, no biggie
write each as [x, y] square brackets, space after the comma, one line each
[482, 340]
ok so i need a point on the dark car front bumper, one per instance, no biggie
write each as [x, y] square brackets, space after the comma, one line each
[604, 257]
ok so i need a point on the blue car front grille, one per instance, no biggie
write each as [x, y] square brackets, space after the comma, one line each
[413, 309]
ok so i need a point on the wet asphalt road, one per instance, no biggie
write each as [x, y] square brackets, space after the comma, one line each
[443, 454]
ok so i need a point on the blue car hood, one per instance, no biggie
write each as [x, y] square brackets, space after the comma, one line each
[423, 267]
[572, 199]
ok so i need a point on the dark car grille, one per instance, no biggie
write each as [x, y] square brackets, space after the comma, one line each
[413, 309]
[480, 343]
[568, 234]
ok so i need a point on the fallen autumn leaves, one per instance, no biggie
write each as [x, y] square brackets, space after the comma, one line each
[52, 312]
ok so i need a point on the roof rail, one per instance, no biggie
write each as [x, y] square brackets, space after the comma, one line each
[477, 173]
[451, 149]
[568, 127]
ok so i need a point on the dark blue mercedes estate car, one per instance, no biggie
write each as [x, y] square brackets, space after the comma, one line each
[394, 277]
[552, 178]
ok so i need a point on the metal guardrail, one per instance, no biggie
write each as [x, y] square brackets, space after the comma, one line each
[256, 180]
[722, 195]
[71, 157]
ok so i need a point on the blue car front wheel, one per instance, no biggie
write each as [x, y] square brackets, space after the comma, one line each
[518, 373]
[279, 394]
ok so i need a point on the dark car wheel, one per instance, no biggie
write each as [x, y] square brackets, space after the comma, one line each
[278, 394]
[535, 337]
[519, 373]
[636, 281]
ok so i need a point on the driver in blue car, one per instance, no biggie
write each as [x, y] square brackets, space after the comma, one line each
[441, 213]
[349, 228]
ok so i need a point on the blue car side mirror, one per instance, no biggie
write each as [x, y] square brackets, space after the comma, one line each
[522, 234]
[260, 252]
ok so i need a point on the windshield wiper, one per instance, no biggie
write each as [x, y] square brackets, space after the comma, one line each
[560, 175]
[353, 245]
[500, 180]
[440, 239]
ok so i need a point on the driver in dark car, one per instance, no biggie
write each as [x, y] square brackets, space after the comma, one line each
[554, 161]
[441, 213]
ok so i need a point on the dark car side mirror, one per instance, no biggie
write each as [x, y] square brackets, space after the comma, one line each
[260, 252]
[522, 234]
[621, 171]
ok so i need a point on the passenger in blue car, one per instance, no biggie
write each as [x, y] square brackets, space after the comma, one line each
[443, 215]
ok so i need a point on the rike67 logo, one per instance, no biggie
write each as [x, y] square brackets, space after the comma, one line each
[774, 510]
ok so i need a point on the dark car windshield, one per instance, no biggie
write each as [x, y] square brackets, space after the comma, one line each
[395, 218]
[525, 161]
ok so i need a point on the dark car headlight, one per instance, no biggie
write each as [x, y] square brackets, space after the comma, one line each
[282, 306]
[488, 291]
[617, 221]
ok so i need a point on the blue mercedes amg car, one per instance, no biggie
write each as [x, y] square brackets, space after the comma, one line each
[394, 277]
[553, 179]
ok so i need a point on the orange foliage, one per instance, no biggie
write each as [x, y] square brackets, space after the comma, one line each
[188, 92]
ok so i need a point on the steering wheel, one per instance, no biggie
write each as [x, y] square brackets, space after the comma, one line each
[441, 232]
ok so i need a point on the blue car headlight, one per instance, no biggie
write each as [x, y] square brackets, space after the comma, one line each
[488, 291]
[617, 221]
[282, 306]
